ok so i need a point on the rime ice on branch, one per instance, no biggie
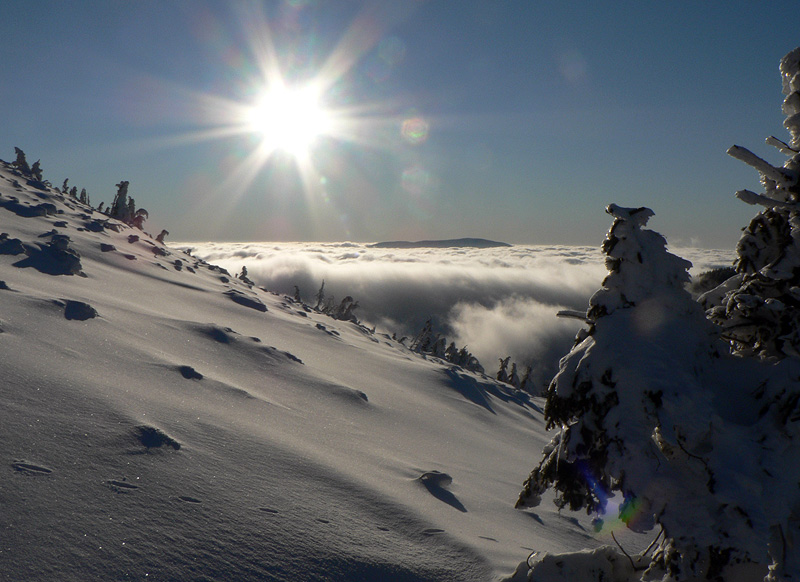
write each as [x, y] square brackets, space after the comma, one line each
[759, 310]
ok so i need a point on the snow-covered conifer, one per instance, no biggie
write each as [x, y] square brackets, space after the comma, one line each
[139, 216]
[526, 383]
[20, 163]
[119, 207]
[36, 170]
[759, 308]
[320, 296]
[242, 276]
[633, 405]
[469, 362]
[423, 340]
[513, 377]
[346, 309]
[502, 372]
[439, 346]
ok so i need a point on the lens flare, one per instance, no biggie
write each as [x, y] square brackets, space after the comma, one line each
[416, 180]
[415, 130]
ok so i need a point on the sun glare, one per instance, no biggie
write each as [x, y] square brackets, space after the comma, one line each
[277, 112]
[289, 119]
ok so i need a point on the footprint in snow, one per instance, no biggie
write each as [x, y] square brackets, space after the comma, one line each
[30, 468]
[432, 531]
[120, 486]
[331, 332]
[246, 300]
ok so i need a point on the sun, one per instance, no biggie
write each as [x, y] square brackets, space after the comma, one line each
[291, 119]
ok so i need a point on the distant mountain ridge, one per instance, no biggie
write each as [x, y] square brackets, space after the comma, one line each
[477, 243]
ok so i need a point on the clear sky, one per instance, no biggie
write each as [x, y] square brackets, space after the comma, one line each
[514, 120]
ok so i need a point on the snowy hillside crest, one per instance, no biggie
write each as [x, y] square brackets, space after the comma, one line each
[164, 419]
[682, 417]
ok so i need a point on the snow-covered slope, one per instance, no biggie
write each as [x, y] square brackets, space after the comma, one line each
[161, 420]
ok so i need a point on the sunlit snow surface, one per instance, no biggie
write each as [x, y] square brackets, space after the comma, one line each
[161, 420]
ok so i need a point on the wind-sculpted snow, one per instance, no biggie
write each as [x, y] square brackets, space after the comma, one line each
[159, 422]
[497, 301]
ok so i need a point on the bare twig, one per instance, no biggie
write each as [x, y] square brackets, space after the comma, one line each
[569, 313]
[627, 555]
[653, 543]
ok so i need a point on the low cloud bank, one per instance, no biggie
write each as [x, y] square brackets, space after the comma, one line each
[499, 302]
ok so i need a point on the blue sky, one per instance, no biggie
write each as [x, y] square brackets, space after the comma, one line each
[530, 116]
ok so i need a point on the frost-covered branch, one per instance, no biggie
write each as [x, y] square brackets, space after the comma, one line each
[775, 174]
[750, 197]
[782, 146]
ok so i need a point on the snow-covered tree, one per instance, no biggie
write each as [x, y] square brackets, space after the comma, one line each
[759, 308]
[139, 216]
[36, 170]
[423, 341]
[20, 163]
[651, 414]
[526, 383]
[243, 276]
[119, 207]
[429, 342]
[693, 424]
[502, 371]
[513, 376]
[320, 296]
[345, 310]
[467, 361]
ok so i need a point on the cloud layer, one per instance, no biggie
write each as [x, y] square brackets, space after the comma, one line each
[499, 301]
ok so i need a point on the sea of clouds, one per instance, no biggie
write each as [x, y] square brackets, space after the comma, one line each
[498, 301]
